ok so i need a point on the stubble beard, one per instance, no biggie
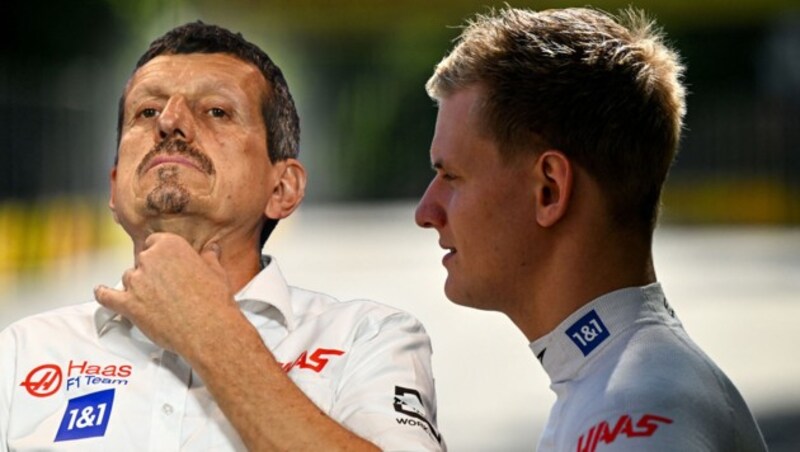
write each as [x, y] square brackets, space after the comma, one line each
[169, 196]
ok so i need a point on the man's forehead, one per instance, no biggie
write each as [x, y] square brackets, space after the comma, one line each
[197, 67]
[458, 118]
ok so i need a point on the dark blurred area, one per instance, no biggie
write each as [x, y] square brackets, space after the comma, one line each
[357, 70]
[52, 57]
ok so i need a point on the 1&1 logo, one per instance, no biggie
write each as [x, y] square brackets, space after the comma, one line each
[43, 381]
[86, 416]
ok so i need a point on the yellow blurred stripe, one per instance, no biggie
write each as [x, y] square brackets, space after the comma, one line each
[37, 233]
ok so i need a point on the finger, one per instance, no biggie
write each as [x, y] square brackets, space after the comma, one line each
[111, 298]
[127, 278]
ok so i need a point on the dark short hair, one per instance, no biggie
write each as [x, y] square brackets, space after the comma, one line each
[604, 90]
[278, 109]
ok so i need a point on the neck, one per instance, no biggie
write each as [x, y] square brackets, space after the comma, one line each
[240, 254]
[579, 271]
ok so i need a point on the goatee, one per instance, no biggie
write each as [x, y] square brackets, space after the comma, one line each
[170, 196]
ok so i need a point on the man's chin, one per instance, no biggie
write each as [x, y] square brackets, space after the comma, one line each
[455, 293]
[466, 297]
[168, 200]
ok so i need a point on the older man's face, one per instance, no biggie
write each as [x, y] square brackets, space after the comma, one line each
[193, 143]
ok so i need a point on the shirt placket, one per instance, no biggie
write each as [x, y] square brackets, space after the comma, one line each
[171, 384]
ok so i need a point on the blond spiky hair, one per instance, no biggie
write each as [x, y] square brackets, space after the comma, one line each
[605, 90]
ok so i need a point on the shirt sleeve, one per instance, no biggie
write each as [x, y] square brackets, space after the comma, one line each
[387, 392]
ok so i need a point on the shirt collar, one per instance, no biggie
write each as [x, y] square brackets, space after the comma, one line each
[584, 334]
[267, 289]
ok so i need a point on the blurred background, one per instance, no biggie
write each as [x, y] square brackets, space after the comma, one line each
[728, 250]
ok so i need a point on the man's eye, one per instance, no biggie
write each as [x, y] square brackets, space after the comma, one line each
[217, 112]
[149, 113]
[448, 176]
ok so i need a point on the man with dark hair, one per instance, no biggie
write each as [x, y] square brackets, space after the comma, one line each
[203, 345]
[554, 136]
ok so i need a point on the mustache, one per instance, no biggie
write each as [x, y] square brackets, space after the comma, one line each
[173, 146]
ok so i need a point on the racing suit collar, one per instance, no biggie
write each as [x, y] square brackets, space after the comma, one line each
[583, 335]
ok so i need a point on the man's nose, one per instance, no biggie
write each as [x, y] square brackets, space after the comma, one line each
[176, 120]
[429, 213]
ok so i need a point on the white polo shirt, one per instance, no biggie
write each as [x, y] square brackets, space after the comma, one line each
[627, 377]
[83, 378]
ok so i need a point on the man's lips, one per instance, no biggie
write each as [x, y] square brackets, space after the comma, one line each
[176, 152]
[180, 160]
[451, 251]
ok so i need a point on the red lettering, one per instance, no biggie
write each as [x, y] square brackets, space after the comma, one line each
[316, 362]
[84, 368]
[591, 443]
[318, 359]
[300, 359]
[289, 366]
[608, 437]
[624, 425]
[647, 426]
[124, 371]
[79, 368]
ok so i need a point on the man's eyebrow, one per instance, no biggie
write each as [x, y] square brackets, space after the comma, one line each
[212, 87]
[151, 88]
[145, 90]
[437, 165]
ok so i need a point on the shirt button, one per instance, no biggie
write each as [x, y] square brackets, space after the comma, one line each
[167, 409]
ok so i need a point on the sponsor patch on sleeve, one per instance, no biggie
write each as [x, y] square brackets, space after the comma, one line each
[86, 416]
[409, 402]
[588, 332]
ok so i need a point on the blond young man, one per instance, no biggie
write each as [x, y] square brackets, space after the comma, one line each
[554, 136]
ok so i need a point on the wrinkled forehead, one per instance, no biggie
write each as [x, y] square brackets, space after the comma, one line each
[198, 72]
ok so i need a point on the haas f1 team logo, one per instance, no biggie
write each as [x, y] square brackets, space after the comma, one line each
[43, 381]
[602, 432]
[47, 379]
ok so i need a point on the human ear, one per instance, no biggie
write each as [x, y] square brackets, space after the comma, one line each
[113, 185]
[553, 185]
[288, 191]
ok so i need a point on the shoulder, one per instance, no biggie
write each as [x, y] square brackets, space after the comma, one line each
[42, 339]
[367, 316]
[72, 317]
[658, 366]
[657, 386]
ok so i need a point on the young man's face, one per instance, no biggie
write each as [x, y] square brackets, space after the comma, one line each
[211, 105]
[481, 206]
